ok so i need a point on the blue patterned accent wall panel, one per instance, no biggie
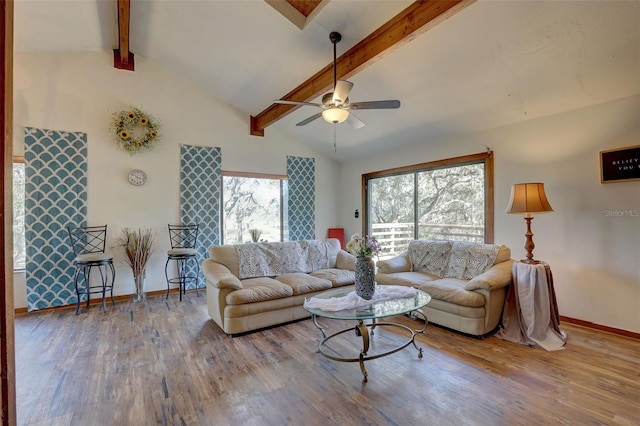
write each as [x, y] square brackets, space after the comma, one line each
[55, 196]
[302, 198]
[200, 192]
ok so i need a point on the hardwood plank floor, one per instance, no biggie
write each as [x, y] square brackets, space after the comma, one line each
[165, 362]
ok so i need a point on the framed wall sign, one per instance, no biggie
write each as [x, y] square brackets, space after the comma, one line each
[620, 165]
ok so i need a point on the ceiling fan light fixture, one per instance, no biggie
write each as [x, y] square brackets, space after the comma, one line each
[335, 115]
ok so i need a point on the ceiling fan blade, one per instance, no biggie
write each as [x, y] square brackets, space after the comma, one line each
[354, 121]
[341, 91]
[285, 102]
[390, 104]
[310, 119]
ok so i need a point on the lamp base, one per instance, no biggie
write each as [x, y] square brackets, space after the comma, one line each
[530, 261]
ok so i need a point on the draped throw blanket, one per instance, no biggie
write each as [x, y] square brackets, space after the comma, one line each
[272, 259]
[531, 312]
[353, 301]
[55, 197]
[301, 209]
[200, 192]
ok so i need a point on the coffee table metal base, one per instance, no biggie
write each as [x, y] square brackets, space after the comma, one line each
[365, 330]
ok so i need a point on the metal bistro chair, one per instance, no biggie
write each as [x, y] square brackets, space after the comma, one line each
[88, 245]
[183, 249]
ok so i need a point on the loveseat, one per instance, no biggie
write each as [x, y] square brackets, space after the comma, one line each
[467, 281]
[257, 285]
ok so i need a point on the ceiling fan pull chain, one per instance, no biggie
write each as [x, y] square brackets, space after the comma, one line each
[335, 149]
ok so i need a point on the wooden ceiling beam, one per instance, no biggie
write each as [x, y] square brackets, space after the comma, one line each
[298, 12]
[122, 58]
[413, 21]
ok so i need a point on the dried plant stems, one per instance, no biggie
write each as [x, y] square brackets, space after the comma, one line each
[138, 247]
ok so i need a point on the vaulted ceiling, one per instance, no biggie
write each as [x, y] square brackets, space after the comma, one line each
[490, 64]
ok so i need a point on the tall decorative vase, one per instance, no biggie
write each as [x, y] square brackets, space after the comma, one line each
[138, 280]
[365, 277]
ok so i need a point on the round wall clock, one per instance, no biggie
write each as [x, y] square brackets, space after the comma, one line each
[137, 177]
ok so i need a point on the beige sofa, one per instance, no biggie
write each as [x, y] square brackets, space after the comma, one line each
[467, 281]
[257, 285]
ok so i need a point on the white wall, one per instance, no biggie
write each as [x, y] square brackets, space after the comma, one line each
[81, 91]
[594, 254]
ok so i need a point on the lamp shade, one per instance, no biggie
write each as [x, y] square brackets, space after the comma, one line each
[335, 115]
[528, 198]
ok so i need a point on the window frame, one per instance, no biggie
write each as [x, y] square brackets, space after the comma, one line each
[283, 200]
[485, 158]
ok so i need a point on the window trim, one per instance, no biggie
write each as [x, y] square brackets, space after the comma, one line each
[283, 202]
[482, 157]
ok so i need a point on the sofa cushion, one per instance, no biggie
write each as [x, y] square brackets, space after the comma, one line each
[345, 260]
[302, 283]
[219, 275]
[455, 309]
[321, 253]
[337, 277]
[504, 254]
[429, 256]
[498, 276]
[258, 290]
[227, 256]
[452, 290]
[412, 279]
[400, 263]
[468, 260]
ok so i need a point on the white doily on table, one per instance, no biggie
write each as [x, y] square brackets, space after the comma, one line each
[352, 300]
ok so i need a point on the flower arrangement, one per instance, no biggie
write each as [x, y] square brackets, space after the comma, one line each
[363, 246]
[134, 130]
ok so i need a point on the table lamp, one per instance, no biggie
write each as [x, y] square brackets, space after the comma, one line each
[527, 198]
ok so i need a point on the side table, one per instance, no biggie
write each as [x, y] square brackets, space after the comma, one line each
[530, 314]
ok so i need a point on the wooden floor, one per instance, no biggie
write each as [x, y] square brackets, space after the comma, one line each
[165, 362]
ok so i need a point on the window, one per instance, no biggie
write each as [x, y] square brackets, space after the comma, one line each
[253, 202]
[443, 200]
[19, 248]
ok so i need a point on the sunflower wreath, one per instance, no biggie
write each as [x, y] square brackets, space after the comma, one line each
[134, 130]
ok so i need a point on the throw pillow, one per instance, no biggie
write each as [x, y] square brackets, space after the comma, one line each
[345, 260]
[458, 260]
[481, 257]
[429, 256]
[468, 260]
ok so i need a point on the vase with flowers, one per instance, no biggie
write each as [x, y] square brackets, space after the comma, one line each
[364, 248]
[138, 247]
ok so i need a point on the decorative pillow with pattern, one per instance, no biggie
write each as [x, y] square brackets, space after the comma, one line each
[481, 258]
[317, 256]
[272, 259]
[458, 260]
[429, 256]
[469, 260]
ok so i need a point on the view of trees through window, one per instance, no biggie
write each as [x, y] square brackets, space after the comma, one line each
[443, 203]
[19, 249]
[253, 208]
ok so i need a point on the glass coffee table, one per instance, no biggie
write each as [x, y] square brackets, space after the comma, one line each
[372, 311]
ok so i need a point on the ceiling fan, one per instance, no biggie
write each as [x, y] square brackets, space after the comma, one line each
[335, 105]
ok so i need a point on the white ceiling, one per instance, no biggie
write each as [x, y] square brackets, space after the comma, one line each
[494, 63]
